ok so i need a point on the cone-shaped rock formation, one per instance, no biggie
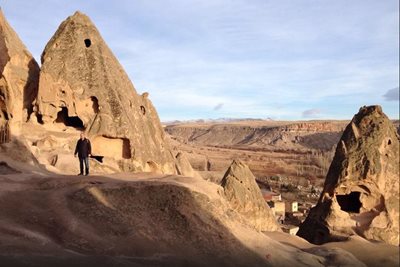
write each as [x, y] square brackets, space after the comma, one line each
[245, 197]
[83, 85]
[183, 166]
[361, 191]
[19, 77]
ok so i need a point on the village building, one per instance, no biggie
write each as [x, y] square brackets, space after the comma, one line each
[278, 209]
[292, 206]
[270, 195]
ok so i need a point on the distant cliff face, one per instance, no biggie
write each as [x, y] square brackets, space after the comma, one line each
[83, 85]
[19, 78]
[361, 192]
[289, 135]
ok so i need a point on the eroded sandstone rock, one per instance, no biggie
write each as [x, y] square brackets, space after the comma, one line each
[361, 191]
[19, 77]
[83, 85]
[183, 166]
[245, 197]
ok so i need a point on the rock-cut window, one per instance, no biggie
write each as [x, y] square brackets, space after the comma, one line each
[143, 110]
[88, 43]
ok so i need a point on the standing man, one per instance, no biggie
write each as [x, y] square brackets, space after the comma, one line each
[84, 150]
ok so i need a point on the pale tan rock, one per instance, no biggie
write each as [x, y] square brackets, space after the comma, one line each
[183, 166]
[83, 85]
[134, 220]
[47, 143]
[361, 191]
[19, 77]
[245, 197]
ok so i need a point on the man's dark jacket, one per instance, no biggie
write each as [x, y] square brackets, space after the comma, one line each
[83, 148]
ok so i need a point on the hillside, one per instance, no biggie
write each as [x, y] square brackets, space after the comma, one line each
[298, 149]
[301, 149]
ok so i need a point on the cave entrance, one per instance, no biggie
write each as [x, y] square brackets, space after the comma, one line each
[126, 148]
[350, 202]
[143, 110]
[73, 121]
[118, 148]
[88, 42]
[3, 111]
[95, 104]
[3, 105]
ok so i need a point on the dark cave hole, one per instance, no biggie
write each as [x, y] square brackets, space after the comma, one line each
[143, 109]
[88, 43]
[5, 115]
[126, 148]
[74, 121]
[39, 118]
[3, 107]
[389, 142]
[95, 105]
[350, 202]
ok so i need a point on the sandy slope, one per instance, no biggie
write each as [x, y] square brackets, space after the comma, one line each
[142, 219]
[133, 220]
[370, 253]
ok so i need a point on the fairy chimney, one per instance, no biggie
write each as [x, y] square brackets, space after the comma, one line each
[245, 197]
[18, 80]
[361, 191]
[183, 166]
[83, 85]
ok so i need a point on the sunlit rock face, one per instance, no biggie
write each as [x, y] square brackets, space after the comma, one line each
[245, 197]
[19, 77]
[83, 85]
[361, 191]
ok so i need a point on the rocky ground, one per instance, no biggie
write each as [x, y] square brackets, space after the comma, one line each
[144, 219]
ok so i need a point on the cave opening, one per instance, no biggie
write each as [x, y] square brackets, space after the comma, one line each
[39, 118]
[113, 147]
[143, 110]
[95, 104]
[73, 121]
[88, 42]
[4, 114]
[126, 148]
[350, 202]
[3, 106]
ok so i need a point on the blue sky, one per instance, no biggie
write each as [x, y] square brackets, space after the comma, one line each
[281, 59]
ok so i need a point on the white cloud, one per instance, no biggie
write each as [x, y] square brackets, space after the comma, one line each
[218, 107]
[311, 113]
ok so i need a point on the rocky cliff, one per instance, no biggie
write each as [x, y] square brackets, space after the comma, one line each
[285, 135]
[19, 77]
[82, 85]
[361, 191]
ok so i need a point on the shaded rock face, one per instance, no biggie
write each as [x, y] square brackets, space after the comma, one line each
[19, 78]
[160, 222]
[245, 197]
[84, 86]
[361, 191]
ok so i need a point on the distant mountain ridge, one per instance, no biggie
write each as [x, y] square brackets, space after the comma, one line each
[218, 120]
